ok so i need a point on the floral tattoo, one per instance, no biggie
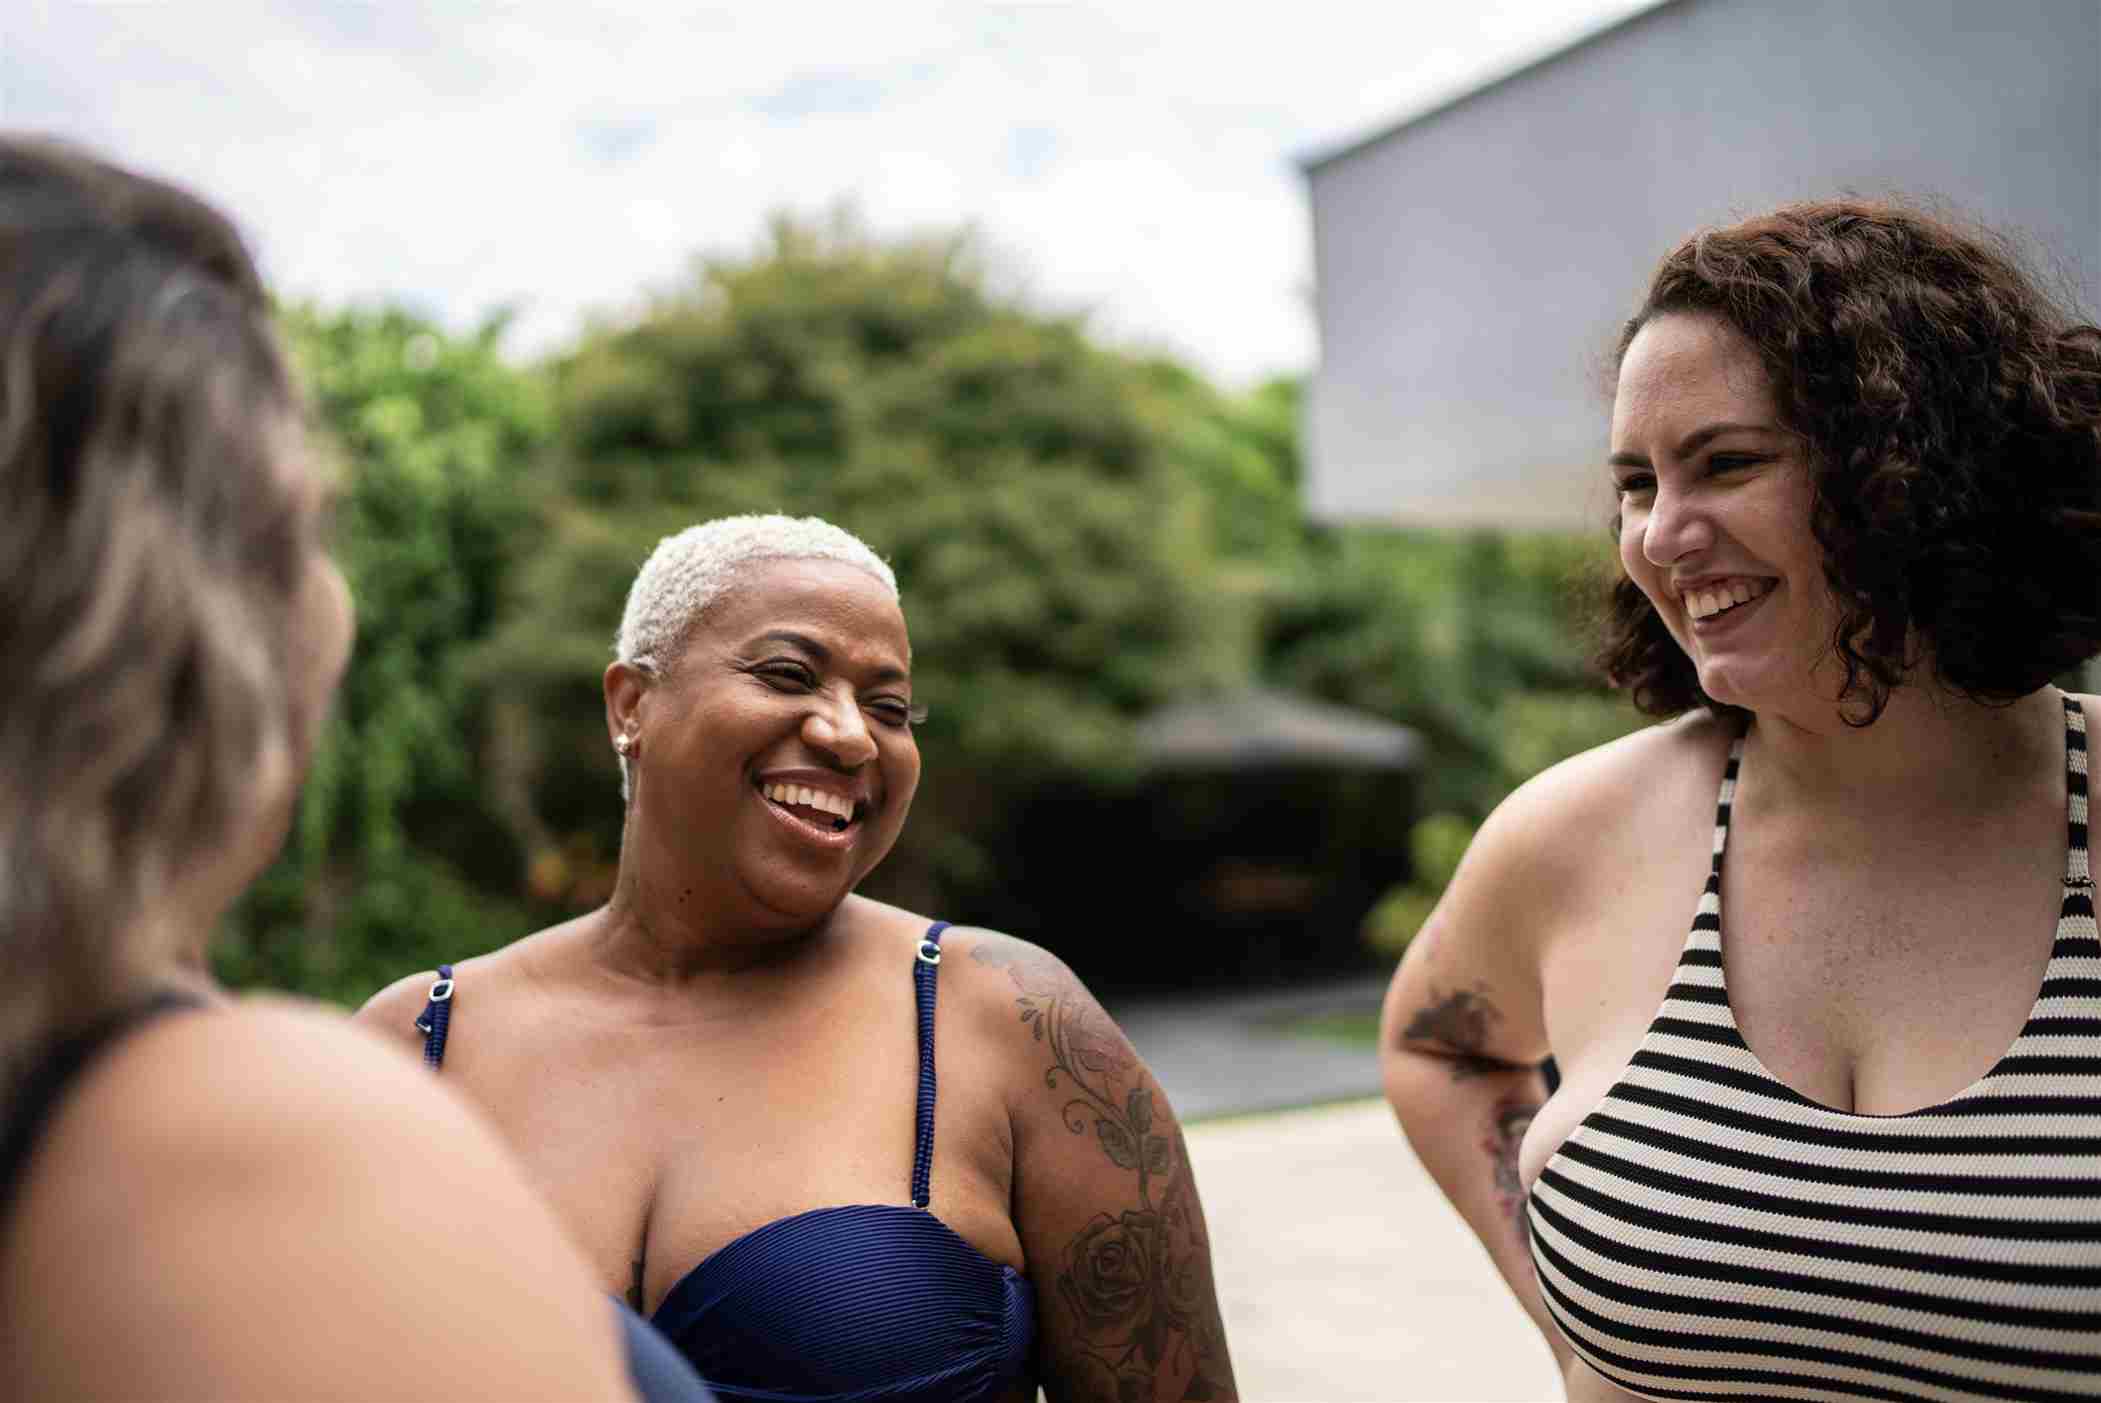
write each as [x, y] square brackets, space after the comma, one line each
[1137, 1285]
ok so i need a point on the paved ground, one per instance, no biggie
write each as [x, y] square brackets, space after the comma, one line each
[1343, 1274]
[1225, 1054]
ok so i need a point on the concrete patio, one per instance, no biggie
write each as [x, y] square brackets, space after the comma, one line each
[1343, 1274]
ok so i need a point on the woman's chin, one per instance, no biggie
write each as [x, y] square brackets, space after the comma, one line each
[1756, 685]
[798, 900]
[1729, 683]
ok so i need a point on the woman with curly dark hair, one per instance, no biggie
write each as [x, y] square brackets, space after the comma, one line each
[1837, 1141]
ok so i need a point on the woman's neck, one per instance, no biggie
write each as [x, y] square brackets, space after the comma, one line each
[1928, 750]
[183, 953]
[664, 930]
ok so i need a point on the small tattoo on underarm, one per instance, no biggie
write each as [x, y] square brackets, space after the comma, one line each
[1512, 1118]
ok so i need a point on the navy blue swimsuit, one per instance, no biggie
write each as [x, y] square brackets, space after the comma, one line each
[866, 1303]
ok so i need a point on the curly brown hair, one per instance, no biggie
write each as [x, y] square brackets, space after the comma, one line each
[155, 520]
[1953, 411]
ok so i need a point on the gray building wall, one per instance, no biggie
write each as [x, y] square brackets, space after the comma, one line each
[1472, 266]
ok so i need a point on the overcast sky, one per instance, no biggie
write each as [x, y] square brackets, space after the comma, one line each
[1131, 158]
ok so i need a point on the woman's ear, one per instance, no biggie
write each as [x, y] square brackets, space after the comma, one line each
[625, 686]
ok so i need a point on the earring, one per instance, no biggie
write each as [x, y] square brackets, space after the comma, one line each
[623, 743]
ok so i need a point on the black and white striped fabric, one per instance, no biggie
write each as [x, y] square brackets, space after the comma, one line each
[1707, 1233]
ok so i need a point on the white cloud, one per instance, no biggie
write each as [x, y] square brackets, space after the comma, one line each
[1134, 160]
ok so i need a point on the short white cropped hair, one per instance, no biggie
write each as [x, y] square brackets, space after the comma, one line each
[689, 571]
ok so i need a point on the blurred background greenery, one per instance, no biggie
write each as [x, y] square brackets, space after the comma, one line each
[1081, 533]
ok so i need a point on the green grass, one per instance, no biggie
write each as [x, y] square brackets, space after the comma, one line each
[1358, 1028]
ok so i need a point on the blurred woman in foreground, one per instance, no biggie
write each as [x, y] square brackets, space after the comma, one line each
[1838, 1140]
[201, 1198]
[726, 1078]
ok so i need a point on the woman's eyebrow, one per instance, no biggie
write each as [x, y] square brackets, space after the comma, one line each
[822, 655]
[1701, 437]
[1692, 443]
[794, 640]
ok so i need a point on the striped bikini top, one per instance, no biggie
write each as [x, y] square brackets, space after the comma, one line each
[1708, 1233]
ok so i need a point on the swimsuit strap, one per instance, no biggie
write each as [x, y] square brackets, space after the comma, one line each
[2078, 871]
[436, 1019]
[1725, 802]
[924, 965]
[59, 1070]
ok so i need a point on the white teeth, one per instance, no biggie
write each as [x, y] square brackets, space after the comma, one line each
[835, 804]
[1706, 603]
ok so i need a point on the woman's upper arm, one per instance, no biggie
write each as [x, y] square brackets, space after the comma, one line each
[301, 1216]
[1104, 1200]
[1469, 986]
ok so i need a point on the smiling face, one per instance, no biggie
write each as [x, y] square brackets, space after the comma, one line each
[1714, 503]
[775, 764]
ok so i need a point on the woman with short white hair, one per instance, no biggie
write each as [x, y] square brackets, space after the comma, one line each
[726, 1078]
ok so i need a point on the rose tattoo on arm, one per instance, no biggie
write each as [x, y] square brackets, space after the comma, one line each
[1135, 1285]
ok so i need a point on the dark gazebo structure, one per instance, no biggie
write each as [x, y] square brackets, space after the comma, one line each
[1262, 830]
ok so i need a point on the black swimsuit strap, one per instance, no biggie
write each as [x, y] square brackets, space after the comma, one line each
[925, 963]
[62, 1066]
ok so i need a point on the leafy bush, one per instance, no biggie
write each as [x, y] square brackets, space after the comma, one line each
[1391, 924]
[1055, 557]
[398, 856]
[1435, 845]
[1081, 535]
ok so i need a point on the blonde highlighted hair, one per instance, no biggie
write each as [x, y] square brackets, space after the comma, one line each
[154, 527]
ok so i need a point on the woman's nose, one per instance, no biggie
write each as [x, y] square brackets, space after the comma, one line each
[1677, 526]
[837, 727]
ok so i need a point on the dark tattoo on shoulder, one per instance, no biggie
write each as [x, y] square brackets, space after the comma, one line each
[1137, 1286]
[1082, 1042]
[1459, 1022]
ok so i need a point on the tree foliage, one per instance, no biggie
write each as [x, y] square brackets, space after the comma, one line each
[397, 855]
[1081, 535]
[1020, 479]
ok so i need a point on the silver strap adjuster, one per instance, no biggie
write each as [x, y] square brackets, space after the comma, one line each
[930, 952]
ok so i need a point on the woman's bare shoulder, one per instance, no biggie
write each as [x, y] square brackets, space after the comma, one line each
[258, 1078]
[1566, 813]
[393, 1011]
[177, 1177]
[1003, 985]
[1561, 838]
